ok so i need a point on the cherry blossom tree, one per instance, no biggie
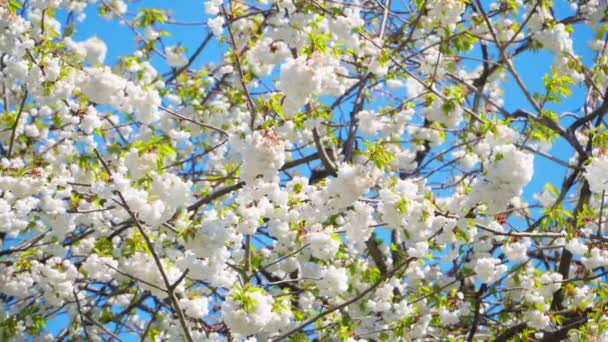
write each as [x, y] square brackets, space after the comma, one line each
[343, 171]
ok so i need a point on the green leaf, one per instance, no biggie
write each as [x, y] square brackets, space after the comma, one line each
[552, 190]
[275, 104]
[378, 154]
[103, 247]
[299, 337]
[14, 6]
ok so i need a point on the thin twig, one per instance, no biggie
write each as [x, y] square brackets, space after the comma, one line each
[345, 304]
[193, 121]
[157, 261]
[14, 129]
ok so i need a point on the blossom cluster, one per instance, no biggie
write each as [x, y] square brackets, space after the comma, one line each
[346, 171]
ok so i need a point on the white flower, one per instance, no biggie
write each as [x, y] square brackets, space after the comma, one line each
[551, 282]
[517, 251]
[352, 182]
[557, 39]
[488, 270]
[448, 113]
[226, 69]
[506, 175]
[100, 84]
[576, 247]
[90, 121]
[145, 103]
[211, 236]
[263, 154]
[269, 52]
[536, 319]
[343, 25]
[216, 25]
[369, 123]
[100, 268]
[306, 300]
[323, 245]
[212, 6]
[175, 57]
[358, 222]
[334, 281]
[596, 174]
[298, 80]
[150, 33]
[448, 317]
[420, 249]
[247, 312]
[143, 267]
[95, 50]
[413, 88]
[598, 258]
[583, 295]
[196, 307]
[31, 131]
[447, 12]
